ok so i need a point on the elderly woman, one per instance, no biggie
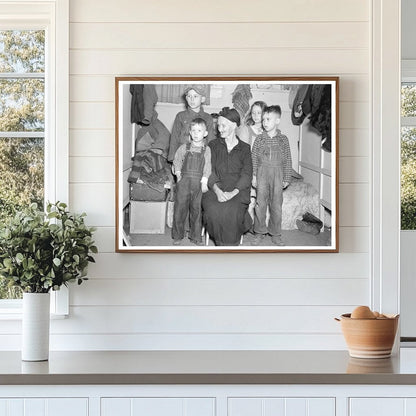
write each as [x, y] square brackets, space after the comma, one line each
[225, 204]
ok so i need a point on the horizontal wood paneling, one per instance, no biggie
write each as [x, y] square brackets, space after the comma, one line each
[354, 239]
[96, 199]
[98, 88]
[94, 143]
[146, 342]
[220, 291]
[104, 238]
[354, 142]
[219, 62]
[354, 208]
[188, 11]
[200, 319]
[354, 170]
[252, 266]
[195, 320]
[92, 88]
[92, 115]
[91, 169]
[218, 35]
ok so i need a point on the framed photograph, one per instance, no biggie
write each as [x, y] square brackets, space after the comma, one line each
[226, 164]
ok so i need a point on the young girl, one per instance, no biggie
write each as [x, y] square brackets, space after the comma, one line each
[253, 124]
[248, 132]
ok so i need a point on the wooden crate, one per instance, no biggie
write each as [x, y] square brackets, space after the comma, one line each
[147, 217]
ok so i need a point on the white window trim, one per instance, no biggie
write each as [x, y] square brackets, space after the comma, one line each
[52, 15]
[385, 96]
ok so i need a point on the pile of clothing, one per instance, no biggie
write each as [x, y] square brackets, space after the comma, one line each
[149, 176]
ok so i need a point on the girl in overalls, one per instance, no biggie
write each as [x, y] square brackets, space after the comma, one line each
[272, 166]
[192, 165]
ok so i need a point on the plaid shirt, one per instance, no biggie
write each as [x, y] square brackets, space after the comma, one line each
[279, 139]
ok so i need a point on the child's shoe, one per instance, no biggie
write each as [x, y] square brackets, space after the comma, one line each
[257, 240]
[177, 242]
[277, 240]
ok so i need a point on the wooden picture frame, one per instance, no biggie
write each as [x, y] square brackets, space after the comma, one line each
[153, 116]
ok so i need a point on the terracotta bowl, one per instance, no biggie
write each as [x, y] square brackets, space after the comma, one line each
[369, 338]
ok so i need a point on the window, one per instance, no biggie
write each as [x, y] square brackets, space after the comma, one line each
[408, 155]
[22, 124]
[33, 110]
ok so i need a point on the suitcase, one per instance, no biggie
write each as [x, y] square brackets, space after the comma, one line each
[143, 192]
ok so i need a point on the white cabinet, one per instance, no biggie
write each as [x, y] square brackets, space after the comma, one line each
[146, 406]
[270, 406]
[44, 407]
[208, 400]
[382, 406]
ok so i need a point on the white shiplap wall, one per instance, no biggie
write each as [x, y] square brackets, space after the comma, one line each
[181, 301]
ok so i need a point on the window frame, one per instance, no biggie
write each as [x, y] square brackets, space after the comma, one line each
[53, 17]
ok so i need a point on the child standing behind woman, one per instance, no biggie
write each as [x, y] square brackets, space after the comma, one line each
[248, 133]
[272, 167]
[192, 165]
[195, 95]
[253, 125]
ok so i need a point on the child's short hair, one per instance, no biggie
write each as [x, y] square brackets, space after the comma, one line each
[261, 104]
[273, 109]
[198, 122]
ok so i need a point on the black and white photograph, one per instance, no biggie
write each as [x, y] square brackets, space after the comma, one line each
[237, 164]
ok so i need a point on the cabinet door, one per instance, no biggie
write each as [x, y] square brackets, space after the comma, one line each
[376, 406]
[270, 406]
[160, 406]
[44, 407]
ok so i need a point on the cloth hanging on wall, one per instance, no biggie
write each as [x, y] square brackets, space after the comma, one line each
[174, 93]
[241, 97]
[143, 101]
[314, 101]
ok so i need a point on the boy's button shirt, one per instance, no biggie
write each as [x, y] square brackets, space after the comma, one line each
[282, 141]
[180, 129]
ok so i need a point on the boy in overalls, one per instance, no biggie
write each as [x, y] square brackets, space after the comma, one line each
[195, 96]
[272, 167]
[192, 165]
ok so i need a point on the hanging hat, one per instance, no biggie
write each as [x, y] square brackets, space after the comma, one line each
[231, 114]
[201, 89]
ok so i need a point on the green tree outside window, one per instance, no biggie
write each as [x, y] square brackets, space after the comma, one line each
[408, 158]
[22, 124]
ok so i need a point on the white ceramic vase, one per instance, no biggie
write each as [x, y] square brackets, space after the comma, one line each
[35, 326]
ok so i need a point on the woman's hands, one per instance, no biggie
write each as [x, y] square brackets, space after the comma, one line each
[224, 196]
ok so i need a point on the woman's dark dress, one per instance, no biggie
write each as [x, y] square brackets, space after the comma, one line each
[227, 221]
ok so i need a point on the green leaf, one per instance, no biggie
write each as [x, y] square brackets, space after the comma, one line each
[56, 262]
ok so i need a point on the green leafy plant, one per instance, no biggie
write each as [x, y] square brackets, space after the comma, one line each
[43, 251]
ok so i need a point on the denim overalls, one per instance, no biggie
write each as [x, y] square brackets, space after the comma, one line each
[269, 191]
[188, 196]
